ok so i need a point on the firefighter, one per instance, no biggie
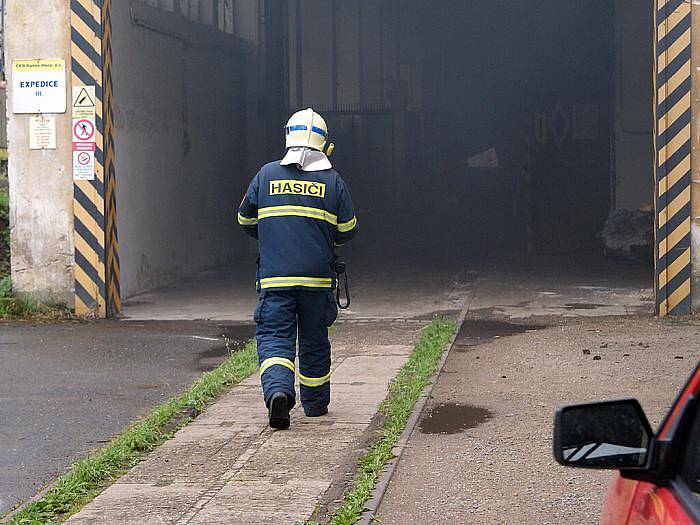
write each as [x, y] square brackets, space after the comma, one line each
[299, 209]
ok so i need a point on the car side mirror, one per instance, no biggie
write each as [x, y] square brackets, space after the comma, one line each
[606, 435]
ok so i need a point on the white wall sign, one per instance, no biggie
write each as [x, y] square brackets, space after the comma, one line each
[42, 132]
[39, 86]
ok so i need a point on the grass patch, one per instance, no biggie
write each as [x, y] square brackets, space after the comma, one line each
[396, 408]
[13, 307]
[4, 228]
[88, 477]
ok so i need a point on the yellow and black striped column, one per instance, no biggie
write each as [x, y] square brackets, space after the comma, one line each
[95, 237]
[112, 240]
[673, 152]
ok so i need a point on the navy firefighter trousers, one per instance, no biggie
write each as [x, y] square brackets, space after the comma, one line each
[282, 317]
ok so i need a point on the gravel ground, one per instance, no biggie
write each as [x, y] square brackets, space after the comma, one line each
[464, 465]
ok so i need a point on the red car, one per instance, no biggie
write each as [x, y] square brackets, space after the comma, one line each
[659, 478]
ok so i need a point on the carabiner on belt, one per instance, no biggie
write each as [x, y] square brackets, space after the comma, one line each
[342, 277]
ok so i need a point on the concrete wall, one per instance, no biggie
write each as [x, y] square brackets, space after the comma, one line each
[634, 151]
[181, 149]
[41, 188]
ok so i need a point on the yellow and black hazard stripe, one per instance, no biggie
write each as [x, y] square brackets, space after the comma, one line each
[672, 160]
[90, 53]
[113, 273]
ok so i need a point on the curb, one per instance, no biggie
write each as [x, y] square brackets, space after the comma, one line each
[371, 507]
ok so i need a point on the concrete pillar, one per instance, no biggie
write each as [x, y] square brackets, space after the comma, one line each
[41, 186]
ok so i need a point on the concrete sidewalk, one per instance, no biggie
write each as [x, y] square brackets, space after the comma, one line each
[229, 467]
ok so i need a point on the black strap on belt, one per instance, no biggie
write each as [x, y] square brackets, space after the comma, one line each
[342, 277]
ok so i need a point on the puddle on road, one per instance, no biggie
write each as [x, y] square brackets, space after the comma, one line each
[453, 418]
[584, 306]
[477, 331]
[236, 335]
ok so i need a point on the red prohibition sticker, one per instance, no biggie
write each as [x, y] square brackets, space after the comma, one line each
[84, 130]
[84, 158]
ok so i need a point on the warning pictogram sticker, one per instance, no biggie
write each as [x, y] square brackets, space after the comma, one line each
[83, 99]
[83, 102]
[83, 130]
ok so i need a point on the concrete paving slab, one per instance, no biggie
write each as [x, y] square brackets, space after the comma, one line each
[229, 467]
[261, 503]
[370, 369]
[142, 504]
[310, 454]
[199, 462]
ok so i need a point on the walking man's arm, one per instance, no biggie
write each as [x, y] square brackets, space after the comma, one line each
[248, 210]
[347, 222]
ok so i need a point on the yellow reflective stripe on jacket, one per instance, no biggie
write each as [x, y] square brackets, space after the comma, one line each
[298, 211]
[310, 282]
[347, 226]
[272, 361]
[245, 221]
[314, 381]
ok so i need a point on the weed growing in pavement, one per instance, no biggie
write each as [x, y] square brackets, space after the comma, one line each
[396, 408]
[89, 476]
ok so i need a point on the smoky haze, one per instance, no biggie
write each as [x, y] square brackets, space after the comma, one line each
[465, 130]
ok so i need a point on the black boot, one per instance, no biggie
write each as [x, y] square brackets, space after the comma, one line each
[279, 411]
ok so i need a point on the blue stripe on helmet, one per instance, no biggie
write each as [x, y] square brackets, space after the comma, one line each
[303, 127]
[298, 127]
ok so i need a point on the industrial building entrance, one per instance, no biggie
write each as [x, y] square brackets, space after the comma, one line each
[466, 131]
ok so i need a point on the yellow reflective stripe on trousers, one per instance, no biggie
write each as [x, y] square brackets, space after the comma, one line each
[347, 226]
[314, 381]
[272, 361]
[297, 211]
[245, 221]
[309, 282]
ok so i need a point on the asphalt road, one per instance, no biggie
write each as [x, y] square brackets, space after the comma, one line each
[67, 388]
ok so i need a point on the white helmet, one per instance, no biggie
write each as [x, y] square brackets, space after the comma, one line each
[306, 128]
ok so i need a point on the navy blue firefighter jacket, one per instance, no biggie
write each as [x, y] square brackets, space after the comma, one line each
[298, 217]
